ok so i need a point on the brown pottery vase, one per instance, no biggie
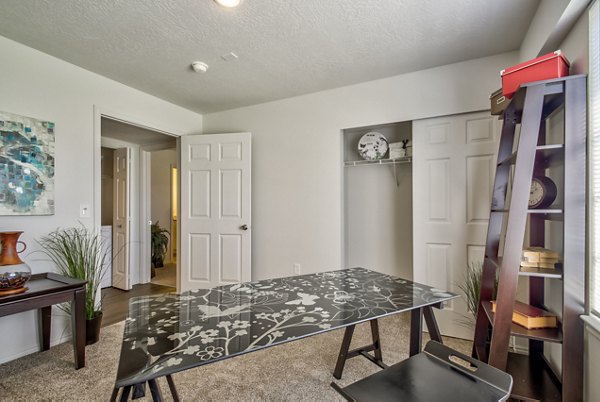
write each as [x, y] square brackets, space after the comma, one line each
[14, 273]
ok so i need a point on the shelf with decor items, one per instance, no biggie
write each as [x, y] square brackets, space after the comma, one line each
[399, 161]
[528, 207]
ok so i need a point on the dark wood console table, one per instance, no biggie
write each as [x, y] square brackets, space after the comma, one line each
[47, 289]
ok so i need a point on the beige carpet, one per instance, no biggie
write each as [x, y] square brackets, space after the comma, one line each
[300, 370]
[166, 276]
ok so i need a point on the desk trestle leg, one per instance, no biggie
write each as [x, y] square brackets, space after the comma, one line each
[172, 388]
[155, 391]
[139, 391]
[346, 354]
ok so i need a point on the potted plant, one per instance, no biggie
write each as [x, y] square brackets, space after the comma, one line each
[79, 253]
[471, 287]
[159, 244]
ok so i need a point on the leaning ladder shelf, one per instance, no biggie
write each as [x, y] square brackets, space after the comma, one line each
[531, 106]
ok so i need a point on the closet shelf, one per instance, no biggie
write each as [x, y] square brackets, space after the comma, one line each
[397, 161]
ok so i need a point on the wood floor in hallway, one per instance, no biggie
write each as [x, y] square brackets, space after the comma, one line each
[115, 302]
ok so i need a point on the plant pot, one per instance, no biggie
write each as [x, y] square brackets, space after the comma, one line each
[158, 262]
[92, 329]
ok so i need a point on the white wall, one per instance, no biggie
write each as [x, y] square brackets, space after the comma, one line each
[296, 172]
[576, 46]
[161, 162]
[37, 85]
[544, 21]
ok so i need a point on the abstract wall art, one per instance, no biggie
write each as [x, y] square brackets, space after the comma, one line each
[26, 165]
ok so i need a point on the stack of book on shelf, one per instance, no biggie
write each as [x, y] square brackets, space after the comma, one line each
[530, 317]
[538, 259]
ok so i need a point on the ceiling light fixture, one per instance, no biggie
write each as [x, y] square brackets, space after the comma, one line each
[199, 66]
[228, 3]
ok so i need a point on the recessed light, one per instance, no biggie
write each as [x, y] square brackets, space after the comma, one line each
[199, 67]
[228, 3]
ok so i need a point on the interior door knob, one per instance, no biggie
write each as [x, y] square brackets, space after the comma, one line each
[244, 227]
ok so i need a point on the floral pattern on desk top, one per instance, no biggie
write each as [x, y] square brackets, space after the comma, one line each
[173, 332]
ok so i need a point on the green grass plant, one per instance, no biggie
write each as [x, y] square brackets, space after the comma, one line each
[79, 253]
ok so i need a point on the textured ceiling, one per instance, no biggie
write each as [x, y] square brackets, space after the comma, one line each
[285, 47]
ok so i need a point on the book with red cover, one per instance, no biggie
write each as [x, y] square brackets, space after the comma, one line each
[530, 317]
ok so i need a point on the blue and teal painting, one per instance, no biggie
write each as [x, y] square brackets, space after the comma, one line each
[26, 165]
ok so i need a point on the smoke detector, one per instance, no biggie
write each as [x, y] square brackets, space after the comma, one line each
[199, 67]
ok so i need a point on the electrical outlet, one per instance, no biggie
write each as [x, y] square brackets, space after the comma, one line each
[297, 268]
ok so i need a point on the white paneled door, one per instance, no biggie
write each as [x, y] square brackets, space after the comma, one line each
[215, 210]
[121, 218]
[454, 162]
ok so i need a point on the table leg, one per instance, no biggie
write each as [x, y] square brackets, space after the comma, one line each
[139, 391]
[434, 331]
[341, 361]
[416, 327]
[155, 390]
[376, 340]
[125, 394]
[78, 327]
[45, 318]
[172, 388]
[113, 396]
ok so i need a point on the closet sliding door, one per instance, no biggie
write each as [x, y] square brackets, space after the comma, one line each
[454, 163]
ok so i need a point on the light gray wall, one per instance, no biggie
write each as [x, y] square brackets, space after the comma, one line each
[545, 19]
[297, 161]
[576, 46]
[161, 162]
[37, 85]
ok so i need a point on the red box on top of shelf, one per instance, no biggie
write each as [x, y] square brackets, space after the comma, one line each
[551, 65]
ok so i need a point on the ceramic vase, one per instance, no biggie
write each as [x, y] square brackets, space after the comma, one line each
[14, 273]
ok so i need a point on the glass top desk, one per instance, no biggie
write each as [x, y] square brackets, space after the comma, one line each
[170, 333]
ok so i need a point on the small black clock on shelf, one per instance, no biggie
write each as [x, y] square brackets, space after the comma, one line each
[543, 192]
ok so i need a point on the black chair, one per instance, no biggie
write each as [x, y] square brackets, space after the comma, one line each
[432, 376]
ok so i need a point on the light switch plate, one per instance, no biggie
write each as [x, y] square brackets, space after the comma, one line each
[85, 211]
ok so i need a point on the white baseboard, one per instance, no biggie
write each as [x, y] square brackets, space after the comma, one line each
[32, 349]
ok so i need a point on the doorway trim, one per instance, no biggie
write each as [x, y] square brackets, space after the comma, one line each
[142, 209]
